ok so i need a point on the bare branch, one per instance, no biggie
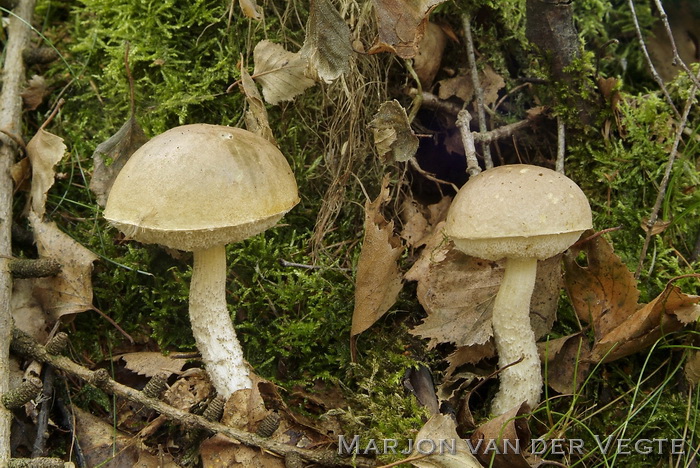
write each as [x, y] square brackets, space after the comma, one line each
[652, 69]
[478, 90]
[463, 119]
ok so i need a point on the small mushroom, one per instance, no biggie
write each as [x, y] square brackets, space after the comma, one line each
[522, 213]
[197, 188]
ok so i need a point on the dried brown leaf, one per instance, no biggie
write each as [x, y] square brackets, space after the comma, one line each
[70, 291]
[692, 368]
[429, 57]
[469, 355]
[500, 435]
[564, 362]
[401, 25]
[250, 9]
[27, 313]
[378, 280]
[439, 428]
[327, 46]
[151, 363]
[44, 150]
[219, 450]
[35, 92]
[282, 74]
[462, 86]
[604, 293]
[256, 115]
[20, 172]
[110, 156]
[393, 136]
[668, 312]
[101, 443]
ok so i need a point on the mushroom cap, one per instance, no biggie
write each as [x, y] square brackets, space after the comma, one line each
[196, 186]
[517, 210]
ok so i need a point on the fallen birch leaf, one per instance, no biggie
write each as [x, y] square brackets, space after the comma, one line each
[565, 366]
[151, 363]
[668, 312]
[462, 86]
[110, 156]
[327, 45]
[603, 293]
[393, 136]
[429, 57]
[401, 25]
[256, 120]
[44, 150]
[378, 279]
[35, 92]
[70, 291]
[692, 368]
[282, 74]
[430, 442]
[502, 442]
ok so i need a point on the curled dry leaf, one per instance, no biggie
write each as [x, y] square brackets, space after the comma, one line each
[101, 443]
[70, 291]
[401, 25]
[44, 150]
[461, 86]
[565, 367]
[692, 368]
[151, 363]
[441, 429]
[604, 293]
[35, 92]
[111, 155]
[429, 57]
[282, 74]
[327, 45]
[393, 136]
[668, 312]
[256, 115]
[378, 280]
[501, 442]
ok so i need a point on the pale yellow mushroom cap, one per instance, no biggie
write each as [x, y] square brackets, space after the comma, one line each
[517, 210]
[196, 186]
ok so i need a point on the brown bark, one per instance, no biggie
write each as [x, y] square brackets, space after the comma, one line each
[13, 78]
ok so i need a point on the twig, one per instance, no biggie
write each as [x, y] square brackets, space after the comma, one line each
[25, 345]
[500, 133]
[664, 182]
[285, 263]
[677, 60]
[595, 235]
[652, 69]
[431, 101]
[463, 119]
[13, 77]
[43, 419]
[561, 145]
[430, 176]
[478, 90]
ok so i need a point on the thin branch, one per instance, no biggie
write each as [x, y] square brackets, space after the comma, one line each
[25, 345]
[463, 119]
[652, 69]
[677, 60]
[561, 145]
[13, 78]
[478, 90]
[429, 176]
[664, 182]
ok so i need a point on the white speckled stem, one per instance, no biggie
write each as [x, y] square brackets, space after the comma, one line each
[515, 338]
[211, 323]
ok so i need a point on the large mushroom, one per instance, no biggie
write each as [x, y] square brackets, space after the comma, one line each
[197, 188]
[520, 213]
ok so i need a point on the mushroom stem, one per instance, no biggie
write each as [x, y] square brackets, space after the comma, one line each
[211, 323]
[515, 339]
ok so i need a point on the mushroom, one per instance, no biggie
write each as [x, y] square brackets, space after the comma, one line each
[197, 188]
[522, 213]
